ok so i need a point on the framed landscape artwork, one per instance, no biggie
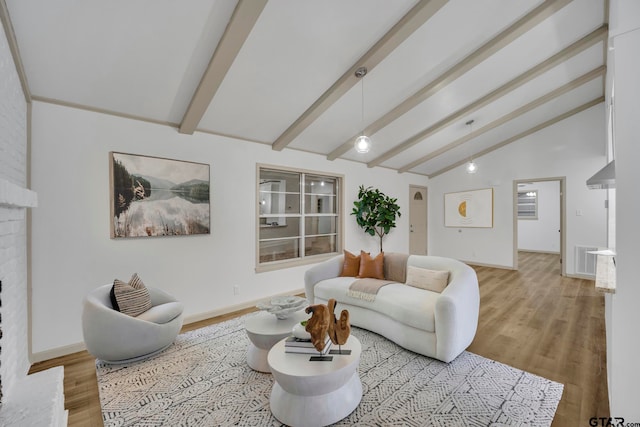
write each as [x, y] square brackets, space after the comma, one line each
[153, 196]
[472, 208]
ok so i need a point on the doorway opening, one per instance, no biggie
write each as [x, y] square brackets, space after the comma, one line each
[539, 218]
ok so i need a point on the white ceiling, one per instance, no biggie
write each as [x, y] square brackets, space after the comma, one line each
[146, 59]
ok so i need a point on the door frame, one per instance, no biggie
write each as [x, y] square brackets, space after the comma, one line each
[563, 219]
[426, 200]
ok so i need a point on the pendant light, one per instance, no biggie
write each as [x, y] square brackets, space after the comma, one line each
[472, 167]
[363, 142]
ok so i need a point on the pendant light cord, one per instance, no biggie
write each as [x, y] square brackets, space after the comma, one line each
[362, 104]
[470, 132]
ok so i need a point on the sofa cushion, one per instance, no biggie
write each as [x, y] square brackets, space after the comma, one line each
[371, 267]
[351, 265]
[431, 280]
[405, 304]
[162, 313]
[395, 266]
[130, 298]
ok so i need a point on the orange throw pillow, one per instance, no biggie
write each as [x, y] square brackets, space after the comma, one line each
[371, 267]
[351, 265]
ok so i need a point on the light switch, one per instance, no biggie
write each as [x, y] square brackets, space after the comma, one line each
[578, 212]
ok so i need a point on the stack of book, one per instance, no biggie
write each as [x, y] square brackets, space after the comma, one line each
[296, 345]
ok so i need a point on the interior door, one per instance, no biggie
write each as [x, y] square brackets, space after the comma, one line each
[417, 220]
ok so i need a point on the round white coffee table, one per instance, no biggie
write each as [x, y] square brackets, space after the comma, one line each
[314, 393]
[264, 330]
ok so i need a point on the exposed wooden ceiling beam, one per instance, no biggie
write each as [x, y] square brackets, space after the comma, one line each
[520, 27]
[103, 111]
[410, 22]
[598, 72]
[240, 25]
[589, 40]
[522, 135]
[13, 47]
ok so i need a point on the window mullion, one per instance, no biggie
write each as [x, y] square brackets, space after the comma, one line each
[302, 216]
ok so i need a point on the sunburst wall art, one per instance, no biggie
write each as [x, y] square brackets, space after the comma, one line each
[473, 208]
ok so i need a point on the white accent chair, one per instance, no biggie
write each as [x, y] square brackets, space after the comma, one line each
[116, 337]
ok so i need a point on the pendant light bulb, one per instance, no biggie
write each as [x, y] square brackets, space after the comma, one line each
[363, 144]
[472, 167]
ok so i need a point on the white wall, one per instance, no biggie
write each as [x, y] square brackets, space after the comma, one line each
[72, 252]
[573, 148]
[541, 234]
[623, 345]
[14, 361]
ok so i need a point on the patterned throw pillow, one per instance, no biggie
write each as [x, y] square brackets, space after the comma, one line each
[130, 298]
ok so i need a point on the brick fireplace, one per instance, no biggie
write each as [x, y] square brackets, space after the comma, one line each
[29, 400]
[0, 342]
[26, 399]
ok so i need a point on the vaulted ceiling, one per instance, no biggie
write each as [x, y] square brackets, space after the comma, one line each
[281, 72]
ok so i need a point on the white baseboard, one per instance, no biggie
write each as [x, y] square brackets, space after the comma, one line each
[41, 356]
[480, 264]
[77, 347]
[533, 251]
[581, 276]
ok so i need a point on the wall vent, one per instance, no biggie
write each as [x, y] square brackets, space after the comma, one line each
[585, 262]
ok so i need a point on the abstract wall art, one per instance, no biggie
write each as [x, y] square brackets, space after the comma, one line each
[473, 208]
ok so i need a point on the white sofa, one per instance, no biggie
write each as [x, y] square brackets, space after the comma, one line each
[437, 325]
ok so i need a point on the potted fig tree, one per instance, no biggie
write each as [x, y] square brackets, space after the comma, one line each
[375, 212]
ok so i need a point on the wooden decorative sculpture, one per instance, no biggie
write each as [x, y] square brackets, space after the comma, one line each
[318, 325]
[339, 329]
[323, 322]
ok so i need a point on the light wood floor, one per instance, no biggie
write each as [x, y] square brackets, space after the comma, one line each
[532, 319]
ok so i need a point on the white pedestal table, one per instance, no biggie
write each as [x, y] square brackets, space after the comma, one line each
[264, 330]
[311, 394]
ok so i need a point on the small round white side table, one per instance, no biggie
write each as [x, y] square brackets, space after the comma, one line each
[314, 393]
[264, 330]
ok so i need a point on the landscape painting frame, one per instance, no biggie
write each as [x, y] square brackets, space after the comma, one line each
[156, 196]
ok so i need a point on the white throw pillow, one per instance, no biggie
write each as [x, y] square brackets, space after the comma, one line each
[431, 280]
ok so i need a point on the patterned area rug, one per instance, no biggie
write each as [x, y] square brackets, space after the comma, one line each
[203, 380]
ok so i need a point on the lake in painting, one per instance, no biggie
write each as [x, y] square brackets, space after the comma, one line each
[153, 196]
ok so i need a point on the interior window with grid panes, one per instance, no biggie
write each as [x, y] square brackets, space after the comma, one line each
[528, 204]
[298, 215]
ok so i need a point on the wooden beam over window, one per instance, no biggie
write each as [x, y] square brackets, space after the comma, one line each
[587, 41]
[521, 135]
[585, 78]
[523, 25]
[413, 20]
[242, 22]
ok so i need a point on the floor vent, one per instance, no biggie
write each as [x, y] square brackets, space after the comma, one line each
[585, 262]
